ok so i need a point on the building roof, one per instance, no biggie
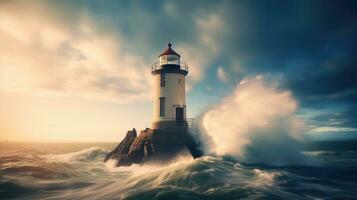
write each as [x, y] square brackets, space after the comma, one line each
[169, 51]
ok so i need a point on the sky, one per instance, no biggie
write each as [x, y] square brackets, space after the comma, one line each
[80, 70]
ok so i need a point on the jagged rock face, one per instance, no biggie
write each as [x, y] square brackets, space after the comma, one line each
[120, 153]
[137, 152]
[153, 146]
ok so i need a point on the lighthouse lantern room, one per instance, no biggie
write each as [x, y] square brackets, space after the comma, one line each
[169, 91]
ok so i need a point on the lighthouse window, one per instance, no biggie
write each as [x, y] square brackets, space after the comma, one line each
[162, 80]
[162, 106]
[179, 81]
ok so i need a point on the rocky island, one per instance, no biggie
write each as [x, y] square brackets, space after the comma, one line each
[153, 146]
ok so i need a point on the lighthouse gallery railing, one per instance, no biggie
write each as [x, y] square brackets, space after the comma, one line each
[159, 65]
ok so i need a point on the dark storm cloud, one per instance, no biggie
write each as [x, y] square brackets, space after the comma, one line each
[312, 43]
[330, 80]
[346, 117]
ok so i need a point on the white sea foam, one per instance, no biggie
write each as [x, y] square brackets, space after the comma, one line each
[263, 178]
[148, 168]
[88, 154]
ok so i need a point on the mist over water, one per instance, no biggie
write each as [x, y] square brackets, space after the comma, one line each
[256, 124]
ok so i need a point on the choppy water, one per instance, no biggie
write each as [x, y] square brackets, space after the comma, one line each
[76, 171]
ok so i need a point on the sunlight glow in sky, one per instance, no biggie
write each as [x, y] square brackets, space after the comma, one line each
[80, 70]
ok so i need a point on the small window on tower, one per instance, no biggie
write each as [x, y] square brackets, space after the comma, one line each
[162, 106]
[162, 80]
[179, 81]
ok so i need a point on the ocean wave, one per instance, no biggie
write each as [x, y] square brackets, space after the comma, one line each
[83, 175]
[264, 178]
[202, 178]
[84, 155]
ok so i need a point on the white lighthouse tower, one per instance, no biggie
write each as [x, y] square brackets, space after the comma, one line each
[169, 91]
[169, 136]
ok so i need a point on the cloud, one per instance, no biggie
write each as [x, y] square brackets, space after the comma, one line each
[333, 129]
[81, 50]
[41, 56]
[314, 52]
[332, 120]
[222, 75]
[200, 54]
[332, 80]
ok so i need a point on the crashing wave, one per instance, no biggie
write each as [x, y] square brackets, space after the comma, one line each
[89, 154]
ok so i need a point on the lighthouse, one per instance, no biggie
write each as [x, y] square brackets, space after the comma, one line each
[169, 91]
[169, 136]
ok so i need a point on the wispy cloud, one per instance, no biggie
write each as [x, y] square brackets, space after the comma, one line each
[222, 75]
[42, 56]
[333, 129]
[46, 52]
[200, 54]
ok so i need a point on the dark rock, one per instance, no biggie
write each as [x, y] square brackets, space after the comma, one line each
[120, 153]
[151, 146]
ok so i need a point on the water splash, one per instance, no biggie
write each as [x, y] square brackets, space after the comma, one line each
[257, 123]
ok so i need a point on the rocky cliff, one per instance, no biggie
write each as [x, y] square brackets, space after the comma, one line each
[157, 145]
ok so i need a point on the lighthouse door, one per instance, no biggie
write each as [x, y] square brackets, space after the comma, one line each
[179, 114]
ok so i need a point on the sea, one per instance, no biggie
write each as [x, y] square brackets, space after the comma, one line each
[76, 171]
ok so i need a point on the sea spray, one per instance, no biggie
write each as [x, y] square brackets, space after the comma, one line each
[256, 123]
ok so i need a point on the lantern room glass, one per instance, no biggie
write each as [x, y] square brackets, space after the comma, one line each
[169, 59]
